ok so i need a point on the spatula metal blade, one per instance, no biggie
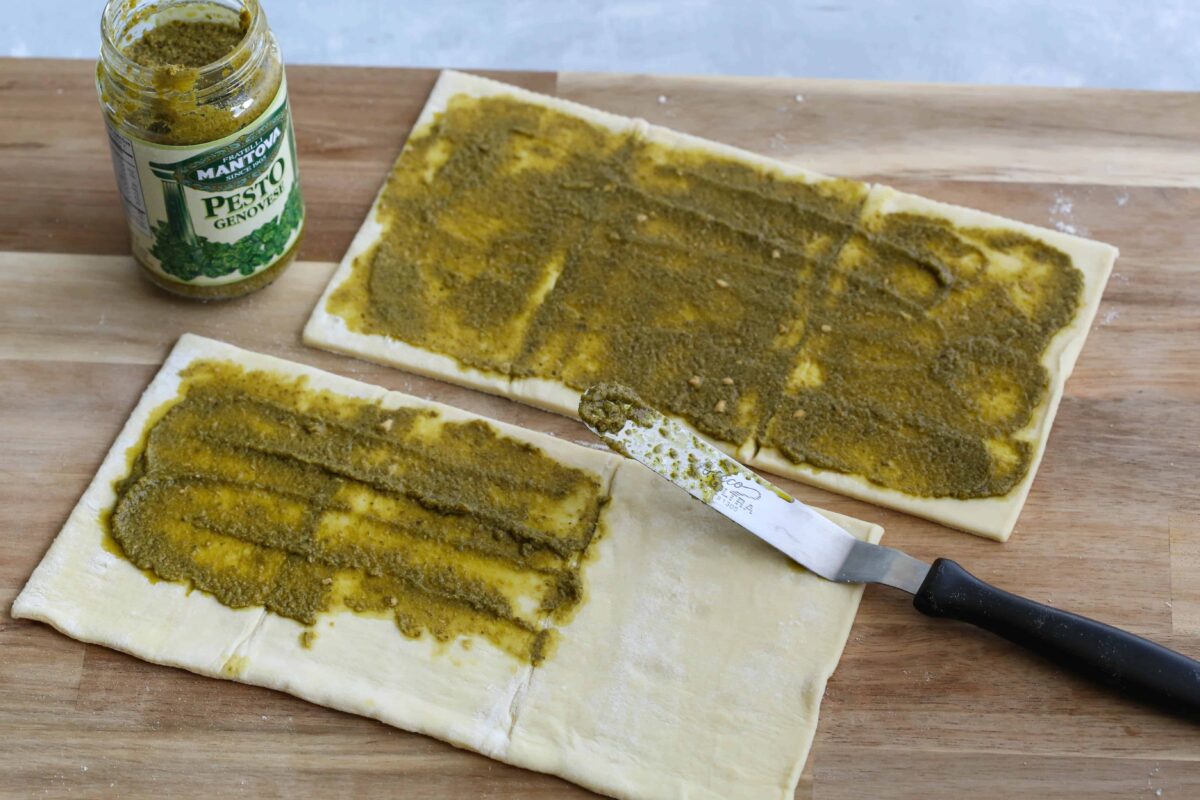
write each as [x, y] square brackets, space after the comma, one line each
[629, 426]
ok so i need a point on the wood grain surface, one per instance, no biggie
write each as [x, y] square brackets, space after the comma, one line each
[918, 708]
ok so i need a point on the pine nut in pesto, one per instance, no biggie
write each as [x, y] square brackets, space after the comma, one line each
[195, 100]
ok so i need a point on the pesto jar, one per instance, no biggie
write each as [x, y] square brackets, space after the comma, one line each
[195, 99]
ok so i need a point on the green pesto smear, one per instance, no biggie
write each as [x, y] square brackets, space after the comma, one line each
[760, 308]
[662, 444]
[606, 407]
[263, 492]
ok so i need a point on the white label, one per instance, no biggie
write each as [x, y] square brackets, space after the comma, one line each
[128, 183]
[214, 213]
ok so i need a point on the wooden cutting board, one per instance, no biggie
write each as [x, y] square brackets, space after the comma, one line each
[918, 708]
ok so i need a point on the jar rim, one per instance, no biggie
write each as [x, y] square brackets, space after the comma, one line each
[228, 71]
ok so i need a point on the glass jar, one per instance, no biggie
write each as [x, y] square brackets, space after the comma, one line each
[204, 153]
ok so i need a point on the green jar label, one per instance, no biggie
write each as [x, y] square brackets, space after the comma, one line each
[214, 213]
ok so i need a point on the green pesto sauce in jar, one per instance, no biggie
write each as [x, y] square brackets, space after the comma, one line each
[186, 88]
[176, 53]
[761, 308]
[263, 492]
[179, 45]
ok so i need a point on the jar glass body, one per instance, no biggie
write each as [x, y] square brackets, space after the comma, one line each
[183, 111]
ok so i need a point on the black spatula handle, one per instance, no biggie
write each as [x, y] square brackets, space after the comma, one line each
[1134, 665]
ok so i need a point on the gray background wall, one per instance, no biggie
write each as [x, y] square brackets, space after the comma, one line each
[1139, 44]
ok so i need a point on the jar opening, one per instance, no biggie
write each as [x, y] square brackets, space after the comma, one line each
[124, 22]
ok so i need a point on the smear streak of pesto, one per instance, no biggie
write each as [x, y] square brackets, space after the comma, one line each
[266, 493]
[527, 242]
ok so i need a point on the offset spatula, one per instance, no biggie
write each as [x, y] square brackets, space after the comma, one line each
[1133, 665]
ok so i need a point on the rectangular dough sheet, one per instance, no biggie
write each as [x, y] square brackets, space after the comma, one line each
[694, 668]
[992, 517]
